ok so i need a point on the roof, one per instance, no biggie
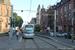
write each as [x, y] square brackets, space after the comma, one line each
[7, 2]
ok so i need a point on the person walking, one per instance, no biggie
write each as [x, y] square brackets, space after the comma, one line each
[17, 34]
[9, 35]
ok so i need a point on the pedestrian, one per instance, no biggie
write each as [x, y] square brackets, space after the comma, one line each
[9, 35]
[17, 34]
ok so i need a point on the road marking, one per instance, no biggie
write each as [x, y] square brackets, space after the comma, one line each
[20, 39]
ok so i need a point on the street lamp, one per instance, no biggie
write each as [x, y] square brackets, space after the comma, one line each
[55, 23]
[14, 24]
[72, 24]
[72, 18]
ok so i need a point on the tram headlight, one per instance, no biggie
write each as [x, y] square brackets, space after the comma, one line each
[26, 34]
[32, 34]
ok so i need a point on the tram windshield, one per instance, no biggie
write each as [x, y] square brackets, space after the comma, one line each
[29, 28]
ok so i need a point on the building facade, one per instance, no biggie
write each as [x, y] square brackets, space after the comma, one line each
[47, 18]
[63, 15]
[38, 14]
[5, 14]
[33, 21]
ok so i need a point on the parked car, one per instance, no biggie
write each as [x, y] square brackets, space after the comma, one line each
[68, 35]
[65, 35]
[58, 34]
[62, 35]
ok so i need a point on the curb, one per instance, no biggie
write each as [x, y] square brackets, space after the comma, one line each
[3, 34]
[55, 40]
[48, 37]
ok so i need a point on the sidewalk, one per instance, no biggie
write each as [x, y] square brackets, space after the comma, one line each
[4, 42]
[65, 40]
[60, 39]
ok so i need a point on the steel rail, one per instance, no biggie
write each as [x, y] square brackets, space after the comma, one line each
[59, 42]
[36, 44]
[47, 42]
[24, 45]
[56, 42]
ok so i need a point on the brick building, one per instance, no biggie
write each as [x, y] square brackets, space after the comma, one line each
[5, 14]
[63, 15]
[33, 21]
[47, 18]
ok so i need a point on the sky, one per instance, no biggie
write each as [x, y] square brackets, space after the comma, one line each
[25, 5]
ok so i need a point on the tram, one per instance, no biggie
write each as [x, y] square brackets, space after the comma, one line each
[28, 31]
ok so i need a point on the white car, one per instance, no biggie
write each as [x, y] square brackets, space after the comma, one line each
[58, 34]
[62, 35]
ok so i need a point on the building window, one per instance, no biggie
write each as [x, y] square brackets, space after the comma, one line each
[56, 12]
[6, 22]
[66, 0]
[6, 26]
[69, 6]
[64, 17]
[60, 10]
[74, 3]
[69, 29]
[61, 2]
[69, 16]
[64, 28]
[74, 15]
[60, 18]
[59, 27]
[6, 12]
[51, 7]
[64, 8]
[45, 10]
[56, 19]
[37, 17]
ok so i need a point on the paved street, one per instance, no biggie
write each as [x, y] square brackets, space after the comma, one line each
[31, 44]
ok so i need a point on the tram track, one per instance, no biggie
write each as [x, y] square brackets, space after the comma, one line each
[56, 46]
[36, 44]
[32, 40]
[55, 41]
[24, 45]
[37, 41]
[47, 43]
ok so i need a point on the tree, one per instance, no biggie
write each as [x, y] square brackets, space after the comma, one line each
[18, 20]
[37, 27]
